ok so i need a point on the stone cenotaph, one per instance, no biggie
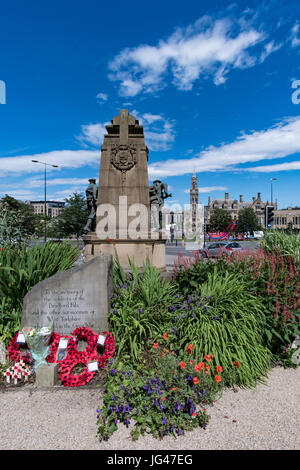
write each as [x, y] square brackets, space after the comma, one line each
[123, 220]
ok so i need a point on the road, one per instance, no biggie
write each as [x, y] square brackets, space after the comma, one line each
[172, 251]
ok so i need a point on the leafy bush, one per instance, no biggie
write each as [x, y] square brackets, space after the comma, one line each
[166, 399]
[225, 319]
[22, 267]
[139, 308]
[287, 244]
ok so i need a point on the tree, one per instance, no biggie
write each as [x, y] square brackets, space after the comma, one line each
[73, 218]
[25, 218]
[247, 221]
[220, 220]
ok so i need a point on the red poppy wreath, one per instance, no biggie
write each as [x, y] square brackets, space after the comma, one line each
[14, 352]
[71, 380]
[54, 341]
[86, 334]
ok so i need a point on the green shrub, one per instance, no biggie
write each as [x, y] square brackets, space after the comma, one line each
[22, 267]
[165, 399]
[139, 306]
[226, 320]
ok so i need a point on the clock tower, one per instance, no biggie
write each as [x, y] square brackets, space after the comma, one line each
[194, 201]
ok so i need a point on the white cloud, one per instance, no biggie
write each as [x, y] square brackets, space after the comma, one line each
[37, 183]
[279, 141]
[207, 48]
[62, 158]
[158, 130]
[288, 166]
[92, 134]
[295, 40]
[101, 97]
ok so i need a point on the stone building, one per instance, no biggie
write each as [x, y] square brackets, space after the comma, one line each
[53, 208]
[287, 218]
[233, 206]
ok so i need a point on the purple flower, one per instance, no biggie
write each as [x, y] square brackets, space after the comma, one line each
[141, 310]
[164, 421]
[117, 409]
[113, 371]
[179, 432]
[115, 310]
[116, 421]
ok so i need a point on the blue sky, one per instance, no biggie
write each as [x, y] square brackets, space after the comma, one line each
[210, 81]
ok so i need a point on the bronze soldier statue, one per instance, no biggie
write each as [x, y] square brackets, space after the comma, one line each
[91, 205]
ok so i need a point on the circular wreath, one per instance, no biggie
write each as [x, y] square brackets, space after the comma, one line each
[109, 348]
[70, 380]
[54, 340]
[84, 333]
[14, 352]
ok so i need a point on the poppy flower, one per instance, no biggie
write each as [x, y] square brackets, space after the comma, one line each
[217, 378]
[174, 388]
[206, 371]
[190, 348]
[219, 369]
[207, 358]
[196, 380]
[191, 362]
[199, 366]
[207, 367]
[237, 364]
[182, 365]
[155, 345]
[165, 336]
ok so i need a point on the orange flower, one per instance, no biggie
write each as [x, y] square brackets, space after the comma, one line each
[182, 365]
[219, 369]
[155, 345]
[165, 336]
[206, 371]
[199, 367]
[196, 380]
[217, 378]
[207, 358]
[167, 351]
[174, 388]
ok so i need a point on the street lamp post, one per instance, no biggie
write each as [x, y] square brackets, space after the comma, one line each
[45, 193]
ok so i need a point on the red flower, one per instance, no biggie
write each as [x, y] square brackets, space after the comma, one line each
[217, 378]
[155, 345]
[199, 367]
[182, 365]
[219, 369]
[165, 336]
[207, 358]
[196, 380]
[190, 348]
[237, 364]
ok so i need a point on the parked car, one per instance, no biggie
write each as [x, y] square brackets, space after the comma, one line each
[217, 249]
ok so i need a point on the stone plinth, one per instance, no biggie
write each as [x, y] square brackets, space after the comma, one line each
[137, 250]
[77, 297]
[47, 375]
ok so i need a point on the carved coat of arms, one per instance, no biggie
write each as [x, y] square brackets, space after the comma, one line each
[123, 157]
